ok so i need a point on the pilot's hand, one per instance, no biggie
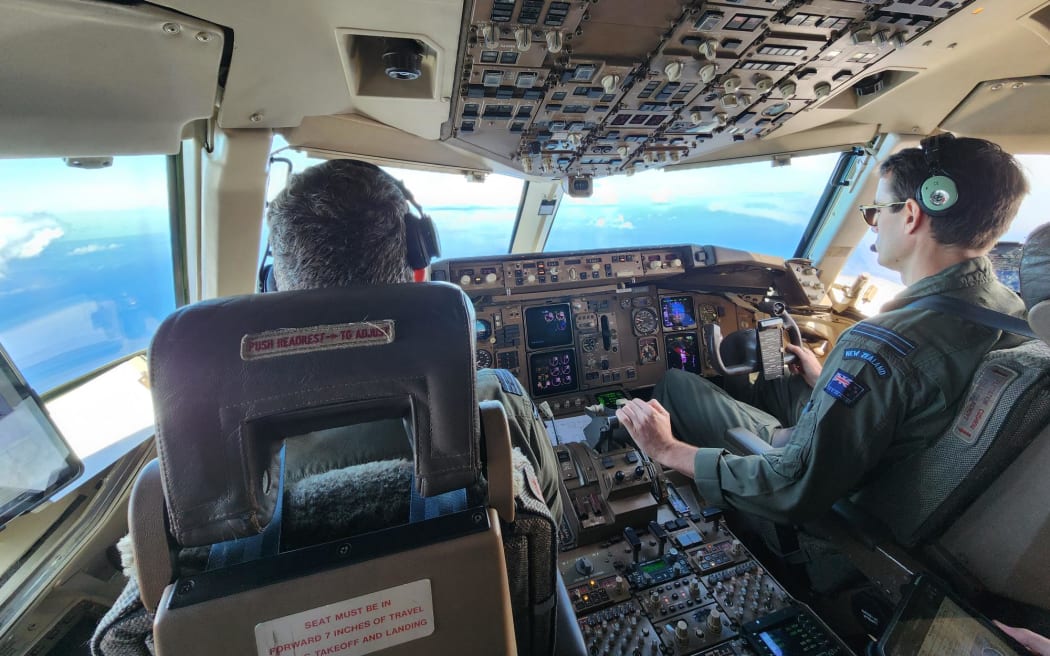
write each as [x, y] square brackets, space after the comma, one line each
[807, 364]
[1032, 641]
[649, 425]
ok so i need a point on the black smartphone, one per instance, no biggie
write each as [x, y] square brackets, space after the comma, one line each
[931, 621]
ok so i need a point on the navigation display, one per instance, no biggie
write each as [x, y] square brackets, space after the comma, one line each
[677, 312]
[553, 372]
[682, 352]
[548, 325]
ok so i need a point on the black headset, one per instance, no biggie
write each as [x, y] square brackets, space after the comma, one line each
[938, 193]
[421, 239]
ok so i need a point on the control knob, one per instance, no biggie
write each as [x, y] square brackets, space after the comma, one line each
[464, 280]
[584, 565]
[639, 471]
[676, 263]
[490, 278]
[531, 277]
[681, 631]
[694, 588]
[656, 264]
[619, 476]
[714, 622]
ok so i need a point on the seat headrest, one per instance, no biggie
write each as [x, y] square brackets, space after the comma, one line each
[232, 377]
[1035, 280]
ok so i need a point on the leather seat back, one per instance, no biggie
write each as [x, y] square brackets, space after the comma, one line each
[232, 379]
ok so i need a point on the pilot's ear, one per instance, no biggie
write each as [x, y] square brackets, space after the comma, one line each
[914, 217]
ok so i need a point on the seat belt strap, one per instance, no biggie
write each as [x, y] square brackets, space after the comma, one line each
[975, 313]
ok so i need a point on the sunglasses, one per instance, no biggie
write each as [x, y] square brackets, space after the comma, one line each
[871, 212]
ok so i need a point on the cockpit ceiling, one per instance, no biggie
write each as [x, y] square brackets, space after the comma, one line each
[599, 88]
[544, 88]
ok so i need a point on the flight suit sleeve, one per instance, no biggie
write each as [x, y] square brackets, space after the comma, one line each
[527, 431]
[864, 393]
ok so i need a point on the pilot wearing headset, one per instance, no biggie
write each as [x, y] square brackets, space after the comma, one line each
[892, 382]
[344, 223]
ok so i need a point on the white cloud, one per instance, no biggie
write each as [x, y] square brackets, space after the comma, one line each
[615, 223]
[765, 209]
[94, 248]
[25, 237]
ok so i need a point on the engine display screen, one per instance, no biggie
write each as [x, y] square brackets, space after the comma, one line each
[553, 372]
[677, 312]
[682, 352]
[548, 326]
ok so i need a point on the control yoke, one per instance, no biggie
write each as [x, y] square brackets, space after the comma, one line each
[769, 342]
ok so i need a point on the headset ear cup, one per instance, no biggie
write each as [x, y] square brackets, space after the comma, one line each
[937, 195]
[421, 240]
[270, 284]
[421, 244]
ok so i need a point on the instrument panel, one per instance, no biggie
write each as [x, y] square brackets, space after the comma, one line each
[569, 334]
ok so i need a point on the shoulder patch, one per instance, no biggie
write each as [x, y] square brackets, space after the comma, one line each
[508, 382]
[843, 387]
[884, 335]
[867, 356]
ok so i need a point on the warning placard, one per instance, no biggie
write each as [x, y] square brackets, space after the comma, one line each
[984, 396]
[289, 341]
[360, 625]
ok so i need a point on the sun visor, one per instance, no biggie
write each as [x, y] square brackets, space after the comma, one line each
[232, 378]
[97, 78]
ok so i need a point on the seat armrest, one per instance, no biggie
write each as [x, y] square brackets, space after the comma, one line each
[744, 442]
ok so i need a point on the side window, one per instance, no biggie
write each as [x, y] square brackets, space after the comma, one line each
[1034, 211]
[85, 263]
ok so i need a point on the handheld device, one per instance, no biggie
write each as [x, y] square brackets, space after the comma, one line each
[771, 347]
[930, 620]
[35, 460]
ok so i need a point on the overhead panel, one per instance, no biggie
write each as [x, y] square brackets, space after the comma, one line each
[617, 86]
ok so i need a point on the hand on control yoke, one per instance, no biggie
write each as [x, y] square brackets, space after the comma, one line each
[807, 364]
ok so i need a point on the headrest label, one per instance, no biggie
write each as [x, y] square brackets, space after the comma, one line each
[292, 341]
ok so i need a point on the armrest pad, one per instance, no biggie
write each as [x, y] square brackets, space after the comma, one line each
[744, 442]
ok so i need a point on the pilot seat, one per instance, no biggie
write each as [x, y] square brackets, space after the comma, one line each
[233, 380]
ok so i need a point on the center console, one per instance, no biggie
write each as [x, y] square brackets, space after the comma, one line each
[651, 570]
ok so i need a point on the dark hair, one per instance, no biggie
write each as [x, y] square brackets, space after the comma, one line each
[337, 224]
[990, 182]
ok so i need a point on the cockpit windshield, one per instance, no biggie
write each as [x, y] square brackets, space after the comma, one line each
[753, 207]
[85, 263]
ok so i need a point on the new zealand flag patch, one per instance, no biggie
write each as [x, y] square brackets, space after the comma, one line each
[845, 389]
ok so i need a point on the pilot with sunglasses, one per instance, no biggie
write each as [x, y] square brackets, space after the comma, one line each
[892, 383]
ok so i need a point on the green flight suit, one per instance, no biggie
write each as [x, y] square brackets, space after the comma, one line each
[336, 448]
[891, 385]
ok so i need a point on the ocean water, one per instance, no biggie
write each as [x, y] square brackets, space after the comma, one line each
[90, 297]
[81, 303]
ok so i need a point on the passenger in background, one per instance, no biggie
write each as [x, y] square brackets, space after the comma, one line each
[891, 382]
[343, 223]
